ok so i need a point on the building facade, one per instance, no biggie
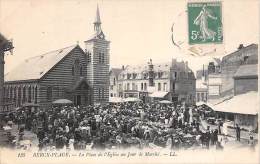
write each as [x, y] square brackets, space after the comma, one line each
[201, 91]
[246, 79]
[68, 73]
[113, 82]
[173, 81]
[5, 45]
[231, 63]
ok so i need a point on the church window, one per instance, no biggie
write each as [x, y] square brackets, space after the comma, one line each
[24, 94]
[11, 93]
[35, 94]
[72, 71]
[88, 57]
[81, 71]
[49, 93]
[29, 94]
[103, 93]
[101, 57]
[142, 86]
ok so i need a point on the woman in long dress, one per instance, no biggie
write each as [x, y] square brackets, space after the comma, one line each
[202, 21]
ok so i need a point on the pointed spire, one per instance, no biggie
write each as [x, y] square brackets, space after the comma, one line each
[97, 20]
[97, 23]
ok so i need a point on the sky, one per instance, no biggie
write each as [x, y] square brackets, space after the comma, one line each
[138, 30]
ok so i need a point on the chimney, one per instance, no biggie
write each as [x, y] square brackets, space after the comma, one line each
[240, 46]
[123, 67]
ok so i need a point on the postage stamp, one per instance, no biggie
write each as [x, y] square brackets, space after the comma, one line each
[205, 22]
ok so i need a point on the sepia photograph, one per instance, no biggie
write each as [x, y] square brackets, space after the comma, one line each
[129, 81]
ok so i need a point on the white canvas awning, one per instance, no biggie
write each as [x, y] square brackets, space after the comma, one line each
[243, 104]
[115, 99]
[165, 102]
[132, 99]
[159, 94]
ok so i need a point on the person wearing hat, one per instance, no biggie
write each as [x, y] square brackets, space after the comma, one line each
[238, 132]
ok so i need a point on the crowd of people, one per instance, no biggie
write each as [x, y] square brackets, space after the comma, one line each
[117, 126]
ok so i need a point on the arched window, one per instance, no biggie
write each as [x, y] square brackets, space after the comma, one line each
[81, 71]
[19, 95]
[29, 94]
[24, 94]
[72, 71]
[88, 57]
[35, 95]
[11, 93]
[15, 93]
[49, 93]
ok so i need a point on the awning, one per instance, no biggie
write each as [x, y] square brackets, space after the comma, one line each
[243, 104]
[165, 102]
[115, 99]
[159, 94]
[132, 99]
[62, 101]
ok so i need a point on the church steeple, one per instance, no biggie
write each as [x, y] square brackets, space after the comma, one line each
[97, 23]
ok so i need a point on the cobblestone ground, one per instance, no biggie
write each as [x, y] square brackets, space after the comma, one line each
[28, 135]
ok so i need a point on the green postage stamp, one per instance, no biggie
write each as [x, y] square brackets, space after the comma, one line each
[205, 22]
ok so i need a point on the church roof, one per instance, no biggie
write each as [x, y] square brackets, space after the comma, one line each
[2, 39]
[116, 71]
[35, 67]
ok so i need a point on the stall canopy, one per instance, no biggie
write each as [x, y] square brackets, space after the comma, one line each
[115, 99]
[132, 99]
[165, 102]
[242, 104]
[159, 94]
[62, 101]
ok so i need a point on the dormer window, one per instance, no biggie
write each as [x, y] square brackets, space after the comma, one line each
[134, 75]
[128, 76]
[145, 75]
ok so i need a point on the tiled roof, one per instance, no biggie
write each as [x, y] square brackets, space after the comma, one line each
[116, 71]
[246, 70]
[34, 68]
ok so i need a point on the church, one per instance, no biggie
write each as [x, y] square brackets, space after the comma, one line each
[72, 73]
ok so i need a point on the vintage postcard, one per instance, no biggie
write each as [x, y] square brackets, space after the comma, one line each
[129, 81]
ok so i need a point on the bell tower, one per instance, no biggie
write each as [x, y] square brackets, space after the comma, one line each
[97, 55]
